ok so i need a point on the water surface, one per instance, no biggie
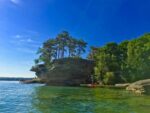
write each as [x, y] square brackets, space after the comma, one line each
[35, 98]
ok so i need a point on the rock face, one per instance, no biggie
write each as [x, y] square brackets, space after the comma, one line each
[139, 86]
[66, 71]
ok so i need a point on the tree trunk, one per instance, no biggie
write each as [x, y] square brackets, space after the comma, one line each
[69, 53]
[58, 53]
[62, 53]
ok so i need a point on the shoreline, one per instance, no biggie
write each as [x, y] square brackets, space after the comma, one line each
[32, 81]
[137, 87]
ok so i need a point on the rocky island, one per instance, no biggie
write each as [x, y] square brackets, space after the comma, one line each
[60, 63]
[66, 71]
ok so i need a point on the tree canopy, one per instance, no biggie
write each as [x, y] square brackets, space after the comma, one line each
[64, 45]
[125, 62]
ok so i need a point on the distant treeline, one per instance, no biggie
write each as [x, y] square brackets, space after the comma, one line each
[125, 62]
[13, 79]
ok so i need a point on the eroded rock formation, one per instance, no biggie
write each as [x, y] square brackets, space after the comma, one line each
[66, 71]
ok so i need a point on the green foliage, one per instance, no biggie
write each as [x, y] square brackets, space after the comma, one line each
[108, 60]
[62, 46]
[139, 58]
[125, 62]
[109, 78]
[36, 61]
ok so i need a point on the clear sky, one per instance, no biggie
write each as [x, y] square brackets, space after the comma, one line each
[25, 24]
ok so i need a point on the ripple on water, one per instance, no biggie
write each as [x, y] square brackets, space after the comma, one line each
[34, 98]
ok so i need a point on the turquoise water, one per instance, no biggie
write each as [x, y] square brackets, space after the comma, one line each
[35, 98]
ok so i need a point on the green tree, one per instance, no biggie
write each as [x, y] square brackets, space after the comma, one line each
[59, 47]
[93, 52]
[48, 52]
[109, 78]
[71, 47]
[81, 45]
[62, 40]
[139, 58]
[108, 60]
[123, 46]
[128, 61]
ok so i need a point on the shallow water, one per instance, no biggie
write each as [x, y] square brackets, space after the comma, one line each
[35, 98]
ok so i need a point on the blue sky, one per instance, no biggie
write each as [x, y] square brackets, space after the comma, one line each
[25, 24]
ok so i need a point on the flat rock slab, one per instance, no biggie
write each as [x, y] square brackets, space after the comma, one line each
[138, 86]
[122, 85]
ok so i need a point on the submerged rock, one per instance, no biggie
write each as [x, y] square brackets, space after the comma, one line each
[66, 71]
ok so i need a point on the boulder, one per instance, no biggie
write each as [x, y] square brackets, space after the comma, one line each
[139, 86]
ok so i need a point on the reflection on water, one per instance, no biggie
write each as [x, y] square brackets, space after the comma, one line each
[35, 98]
[85, 100]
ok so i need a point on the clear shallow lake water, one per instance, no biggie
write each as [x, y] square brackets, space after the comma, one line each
[35, 98]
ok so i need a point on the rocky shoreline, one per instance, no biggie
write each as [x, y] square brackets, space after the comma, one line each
[32, 81]
[137, 87]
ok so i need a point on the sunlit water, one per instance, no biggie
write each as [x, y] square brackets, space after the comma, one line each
[35, 98]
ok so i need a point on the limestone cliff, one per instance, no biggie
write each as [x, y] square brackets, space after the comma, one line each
[66, 71]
